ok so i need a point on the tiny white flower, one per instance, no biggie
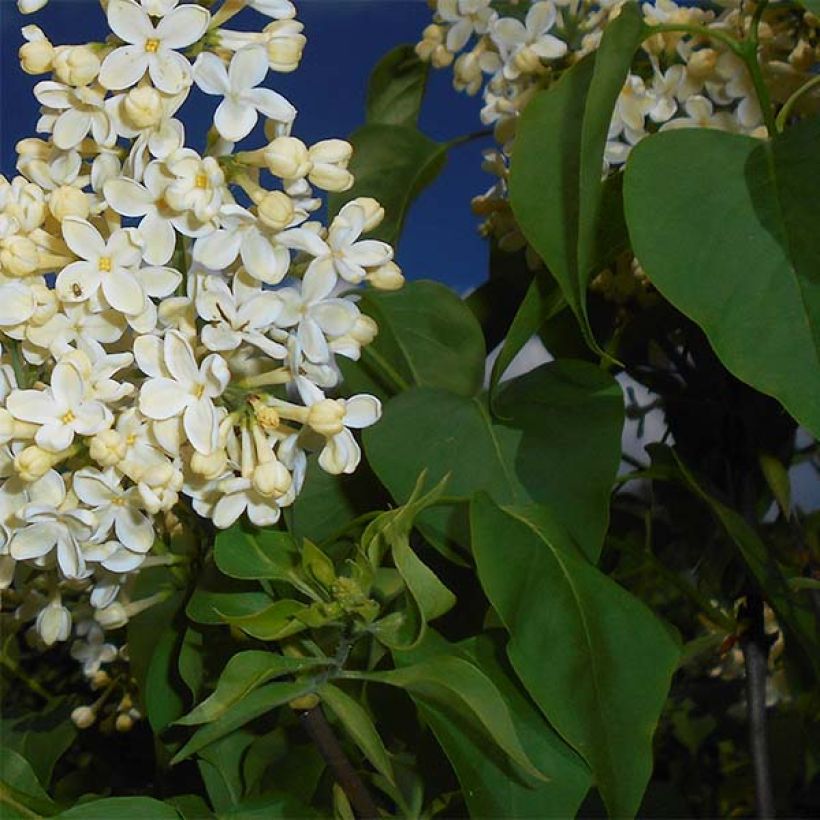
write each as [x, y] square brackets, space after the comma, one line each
[523, 45]
[466, 17]
[188, 390]
[237, 114]
[151, 48]
[107, 265]
[62, 409]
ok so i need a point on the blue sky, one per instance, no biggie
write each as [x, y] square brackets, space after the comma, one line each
[345, 40]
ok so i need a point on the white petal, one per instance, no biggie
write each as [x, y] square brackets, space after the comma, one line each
[83, 238]
[312, 340]
[318, 283]
[67, 385]
[159, 281]
[228, 509]
[341, 454]
[127, 197]
[362, 411]
[211, 75]
[123, 292]
[149, 356]
[248, 68]
[183, 26]
[271, 105]
[217, 250]
[54, 436]
[234, 120]
[179, 359]
[335, 316]
[201, 425]
[368, 253]
[134, 529]
[91, 417]
[33, 541]
[124, 67]
[92, 488]
[168, 70]
[36, 406]
[70, 558]
[162, 398]
[77, 282]
[71, 128]
[129, 21]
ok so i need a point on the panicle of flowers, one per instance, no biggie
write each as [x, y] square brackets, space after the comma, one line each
[170, 317]
[508, 51]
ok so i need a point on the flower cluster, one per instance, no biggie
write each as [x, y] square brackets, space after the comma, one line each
[508, 51]
[170, 319]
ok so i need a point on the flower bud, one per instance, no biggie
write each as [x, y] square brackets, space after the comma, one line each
[373, 212]
[108, 448]
[142, 107]
[100, 679]
[210, 466]
[36, 55]
[76, 65]
[702, 64]
[272, 479]
[45, 304]
[287, 157]
[330, 158]
[30, 6]
[386, 277]
[364, 330]
[276, 210]
[68, 201]
[53, 623]
[124, 722]
[18, 256]
[325, 417]
[33, 463]
[267, 417]
[285, 45]
[83, 717]
[111, 617]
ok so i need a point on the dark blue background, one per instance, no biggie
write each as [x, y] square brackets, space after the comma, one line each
[345, 40]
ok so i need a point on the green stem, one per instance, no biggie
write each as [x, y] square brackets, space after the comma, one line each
[23, 811]
[475, 135]
[788, 106]
[8, 664]
[698, 31]
[17, 364]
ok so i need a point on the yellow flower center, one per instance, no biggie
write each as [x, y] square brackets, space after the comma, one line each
[67, 417]
[198, 390]
[201, 181]
[104, 264]
[118, 501]
[151, 46]
[131, 440]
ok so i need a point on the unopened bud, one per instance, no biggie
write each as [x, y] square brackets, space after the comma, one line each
[37, 55]
[108, 448]
[386, 277]
[364, 330]
[33, 463]
[100, 679]
[53, 623]
[285, 45]
[124, 722]
[68, 201]
[325, 417]
[330, 158]
[18, 256]
[83, 717]
[112, 617]
[702, 63]
[267, 417]
[76, 65]
[272, 479]
[373, 212]
[276, 210]
[210, 466]
[143, 106]
[287, 157]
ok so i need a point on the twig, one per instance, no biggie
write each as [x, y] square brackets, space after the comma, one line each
[322, 735]
[755, 646]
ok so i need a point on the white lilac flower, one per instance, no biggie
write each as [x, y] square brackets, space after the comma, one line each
[82, 112]
[151, 48]
[523, 45]
[178, 386]
[238, 112]
[466, 17]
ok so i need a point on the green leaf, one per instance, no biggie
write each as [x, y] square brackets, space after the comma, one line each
[556, 190]
[432, 597]
[190, 807]
[558, 443]
[212, 608]
[745, 267]
[777, 477]
[243, 673]
[491, 787]
[276, 621]
[796, 615]
[455, 684]
[257, 703]
[20, 790]
[191, 662]
[220, 766]
[359, 725]
[247, 552]
[122, 808]
[542, 301]
[271, 805]
[41, 737]
[391, 163]
[396, 88]
[593, 657]
[427, 336]
[812, 5]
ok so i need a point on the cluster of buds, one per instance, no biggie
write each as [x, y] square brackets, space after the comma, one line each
[170, 320]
